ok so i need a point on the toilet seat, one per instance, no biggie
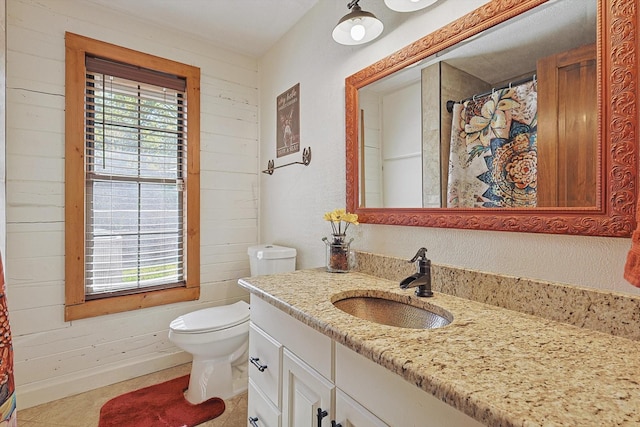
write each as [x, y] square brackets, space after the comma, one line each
[211, 319]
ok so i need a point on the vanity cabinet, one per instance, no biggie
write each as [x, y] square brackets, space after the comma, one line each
[302, 378]
[290, 370]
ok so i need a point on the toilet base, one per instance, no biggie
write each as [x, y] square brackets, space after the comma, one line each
[218, 378]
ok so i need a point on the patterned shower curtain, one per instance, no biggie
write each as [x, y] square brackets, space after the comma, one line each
[493, 159]
[8, 413]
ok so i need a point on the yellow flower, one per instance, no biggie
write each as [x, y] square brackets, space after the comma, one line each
[339, 216]
[351, 218]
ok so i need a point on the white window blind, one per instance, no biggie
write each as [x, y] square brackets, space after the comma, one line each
[135, 164]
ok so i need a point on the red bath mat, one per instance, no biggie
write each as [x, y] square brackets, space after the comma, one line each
[159, 405]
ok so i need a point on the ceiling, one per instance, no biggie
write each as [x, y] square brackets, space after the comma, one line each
[246, 26]
[511, 49]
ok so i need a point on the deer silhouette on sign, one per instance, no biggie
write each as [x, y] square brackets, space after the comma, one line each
[287, 131]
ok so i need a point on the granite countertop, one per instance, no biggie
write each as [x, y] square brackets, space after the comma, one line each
[501, 367]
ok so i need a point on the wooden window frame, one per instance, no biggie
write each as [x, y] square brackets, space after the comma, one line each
[76, 306]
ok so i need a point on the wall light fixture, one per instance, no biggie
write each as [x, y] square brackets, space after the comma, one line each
[408, 5]
[357, 27]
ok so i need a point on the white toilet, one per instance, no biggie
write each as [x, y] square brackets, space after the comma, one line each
[218, 337]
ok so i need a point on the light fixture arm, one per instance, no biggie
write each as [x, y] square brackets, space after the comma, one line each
[352, 4]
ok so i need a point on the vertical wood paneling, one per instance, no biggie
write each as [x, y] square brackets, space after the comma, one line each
[567, 96]
[56, 358]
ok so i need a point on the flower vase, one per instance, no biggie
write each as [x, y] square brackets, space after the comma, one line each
[339, 257]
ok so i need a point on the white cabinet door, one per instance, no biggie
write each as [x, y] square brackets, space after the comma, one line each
[350, 413]
[306, 395]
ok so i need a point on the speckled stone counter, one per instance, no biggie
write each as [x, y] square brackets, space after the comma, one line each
[499, 366]
[605, 311]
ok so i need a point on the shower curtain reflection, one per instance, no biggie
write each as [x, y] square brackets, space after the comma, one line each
[8, 413]
[493, 159]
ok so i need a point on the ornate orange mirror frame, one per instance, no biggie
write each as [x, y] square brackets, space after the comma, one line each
[614, 214]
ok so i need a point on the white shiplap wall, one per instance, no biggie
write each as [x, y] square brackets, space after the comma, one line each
[3, 116]
[54, 358]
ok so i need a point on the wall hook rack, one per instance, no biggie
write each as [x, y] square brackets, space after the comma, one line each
[306, 159]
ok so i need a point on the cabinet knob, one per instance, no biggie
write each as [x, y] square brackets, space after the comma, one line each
[321, 415]
[255, 361]
[253, 421]
[335, 424]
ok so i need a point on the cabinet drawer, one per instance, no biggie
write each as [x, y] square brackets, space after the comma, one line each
[308, 344]
[260, 409]
[264, 362]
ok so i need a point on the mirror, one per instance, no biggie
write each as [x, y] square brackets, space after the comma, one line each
[553, 185]
[478, 124]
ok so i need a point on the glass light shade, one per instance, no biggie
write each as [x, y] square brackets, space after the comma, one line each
[408, 5]
[358, 32]
[345, 33]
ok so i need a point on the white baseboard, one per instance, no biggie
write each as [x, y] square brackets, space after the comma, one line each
[34, 394]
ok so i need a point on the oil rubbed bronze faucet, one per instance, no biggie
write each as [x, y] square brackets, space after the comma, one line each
[422, 279]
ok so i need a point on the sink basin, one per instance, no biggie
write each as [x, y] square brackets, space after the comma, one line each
[392, 313]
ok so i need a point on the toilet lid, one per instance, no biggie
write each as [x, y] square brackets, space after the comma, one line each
[211, 319]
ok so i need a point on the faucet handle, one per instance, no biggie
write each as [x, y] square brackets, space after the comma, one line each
[421, 254]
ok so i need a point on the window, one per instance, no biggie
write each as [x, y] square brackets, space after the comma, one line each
[131, 180]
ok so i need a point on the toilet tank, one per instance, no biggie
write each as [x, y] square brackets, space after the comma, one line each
[271, 259]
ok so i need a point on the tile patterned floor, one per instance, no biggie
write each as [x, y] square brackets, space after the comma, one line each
[83, 409]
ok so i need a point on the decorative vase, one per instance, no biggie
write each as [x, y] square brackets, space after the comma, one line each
[339, 257]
